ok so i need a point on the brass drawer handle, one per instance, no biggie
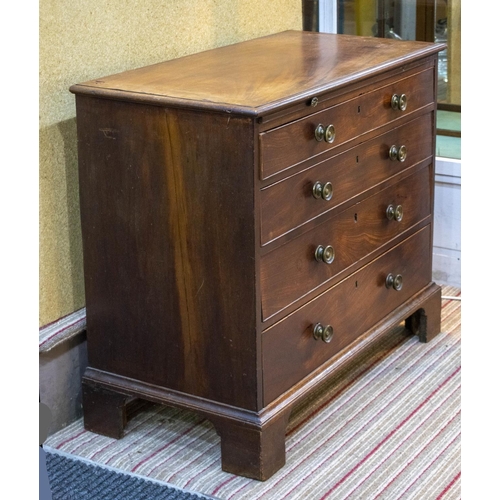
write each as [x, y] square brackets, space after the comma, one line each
[394, 213]
[319, 133]
[325, 134]
[324, 191]
[330, 134]
[325, 254]
[399, 102]
[395, 282]
[325, 333]
[396, 153]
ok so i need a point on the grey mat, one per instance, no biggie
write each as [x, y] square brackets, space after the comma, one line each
[76, 479]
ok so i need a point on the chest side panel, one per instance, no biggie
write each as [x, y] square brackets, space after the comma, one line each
[169, 253]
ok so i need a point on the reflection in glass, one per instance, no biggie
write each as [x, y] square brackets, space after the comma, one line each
[426, 20]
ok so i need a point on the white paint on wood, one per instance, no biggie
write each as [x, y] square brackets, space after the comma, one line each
[327, 10]
[447, 222]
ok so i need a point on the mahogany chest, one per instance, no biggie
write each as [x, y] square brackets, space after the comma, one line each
[253, 216]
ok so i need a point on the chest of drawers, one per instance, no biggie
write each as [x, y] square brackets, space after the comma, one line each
[253, 217]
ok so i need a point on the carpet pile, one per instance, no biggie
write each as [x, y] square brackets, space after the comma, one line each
[387, 427]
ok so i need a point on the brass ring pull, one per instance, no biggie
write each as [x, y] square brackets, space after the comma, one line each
[398, 213]
[319, 133]
[390, 212]
[324, 134]
[325, 254]
[396, 153]
[399, 102]
[325, 333]
[394, 213]
[395, 282]
[324, 191]
[330, 134]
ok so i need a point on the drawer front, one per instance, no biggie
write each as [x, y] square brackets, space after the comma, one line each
[292, 270]
[291, 203]
[290, 351]
[290, 144]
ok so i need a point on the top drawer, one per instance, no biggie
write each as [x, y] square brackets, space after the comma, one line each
[285, 146]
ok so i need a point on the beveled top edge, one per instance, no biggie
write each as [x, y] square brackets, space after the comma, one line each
[261, 75]
[159, 100]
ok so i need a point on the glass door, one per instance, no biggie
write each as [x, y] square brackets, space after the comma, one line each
[425, 20]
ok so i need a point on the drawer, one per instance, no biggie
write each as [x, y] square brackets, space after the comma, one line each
[292, 143]
[289, 349]
[291, 203]
[291, 271]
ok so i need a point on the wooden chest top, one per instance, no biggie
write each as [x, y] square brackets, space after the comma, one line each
[257, 76]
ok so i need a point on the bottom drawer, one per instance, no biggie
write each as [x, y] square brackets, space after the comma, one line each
[289, 348]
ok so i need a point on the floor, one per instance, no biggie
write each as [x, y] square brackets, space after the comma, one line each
[387, 427]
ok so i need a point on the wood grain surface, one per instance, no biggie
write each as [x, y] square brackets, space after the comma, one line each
[291, 271]
[291, 352]
[260, 74]
[351, 173]
[285, 146]
[169, 249]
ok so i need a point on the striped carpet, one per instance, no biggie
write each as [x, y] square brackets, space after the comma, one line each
[386, 428]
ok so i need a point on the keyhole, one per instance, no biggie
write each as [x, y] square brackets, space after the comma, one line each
[356, 217]
[356, 283]
[359, 109]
